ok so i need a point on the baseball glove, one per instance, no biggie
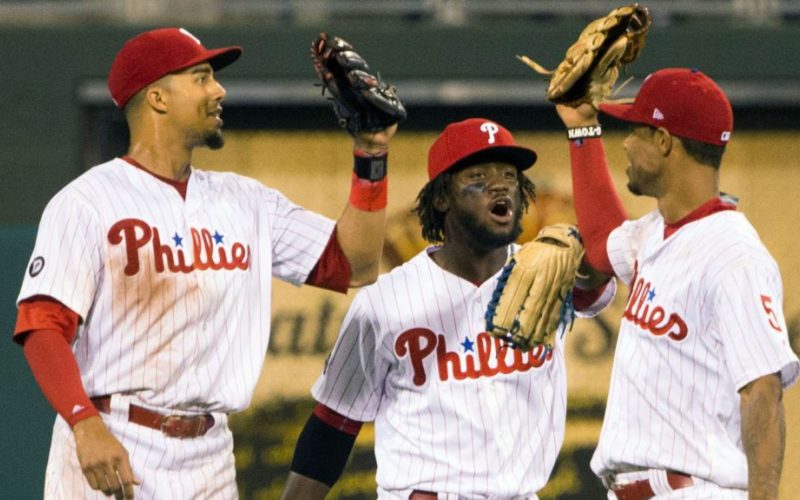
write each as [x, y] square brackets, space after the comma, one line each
[361, 101]
[592, 64]
[533, 296]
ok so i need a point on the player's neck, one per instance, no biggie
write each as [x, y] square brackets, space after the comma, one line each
[173, 165]
[469, 263]
[688, 191]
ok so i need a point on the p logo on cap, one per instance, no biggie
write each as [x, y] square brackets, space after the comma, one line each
[491, 129]
[473, 141]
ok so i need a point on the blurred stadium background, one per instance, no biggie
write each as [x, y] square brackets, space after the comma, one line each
[449, 59]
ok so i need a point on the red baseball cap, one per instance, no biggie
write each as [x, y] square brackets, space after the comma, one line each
[684, 101]
[476, 140]
[154, 54]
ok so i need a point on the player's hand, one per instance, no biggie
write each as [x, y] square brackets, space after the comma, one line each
[580, 116]
[374, 142]
[104, 461]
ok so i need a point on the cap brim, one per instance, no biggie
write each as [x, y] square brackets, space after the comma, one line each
[217, 58]
[522, 158]
[622, 112]
[223, 57]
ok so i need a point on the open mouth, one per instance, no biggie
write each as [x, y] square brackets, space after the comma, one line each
[216, 116]
[501, 210]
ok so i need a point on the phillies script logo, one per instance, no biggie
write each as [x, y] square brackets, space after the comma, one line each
[207, 250]
[642, 311]
[489, 357]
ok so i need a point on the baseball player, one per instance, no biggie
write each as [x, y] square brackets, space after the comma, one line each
[694, 408]
[144, 312]
[457, 413]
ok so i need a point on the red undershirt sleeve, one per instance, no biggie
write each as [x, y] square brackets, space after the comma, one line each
[45, 327]
[583, 299]
[56, 371]
[598, 207]
[332, 270]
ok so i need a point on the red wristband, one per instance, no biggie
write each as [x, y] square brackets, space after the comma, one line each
[369, 196]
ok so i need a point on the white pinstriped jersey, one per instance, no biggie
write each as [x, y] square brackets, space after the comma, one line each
[453, 413]
[174, 294]
[703, 319]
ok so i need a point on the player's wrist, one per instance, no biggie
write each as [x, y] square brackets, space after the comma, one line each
[582, 132]
[81, 416]
[370, 165]
[369, 196]
[88, 426]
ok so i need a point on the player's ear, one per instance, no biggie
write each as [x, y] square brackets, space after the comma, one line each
[663, 140]
[156, 97]
[441, 203]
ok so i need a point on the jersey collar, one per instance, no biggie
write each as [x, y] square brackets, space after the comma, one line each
[712, 206]
[179, 185]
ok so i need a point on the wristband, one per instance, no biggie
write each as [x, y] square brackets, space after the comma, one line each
[369, 196]
[370, 167]
[584, 132]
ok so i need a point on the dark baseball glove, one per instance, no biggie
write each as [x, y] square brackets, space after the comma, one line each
[533, 296]
[592, 64]
[361, 101]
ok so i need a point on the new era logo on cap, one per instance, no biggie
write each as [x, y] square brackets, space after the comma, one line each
[657, 114]
[473, 141]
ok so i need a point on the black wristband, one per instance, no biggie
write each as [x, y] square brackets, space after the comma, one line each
[371, 168]
[584, 132]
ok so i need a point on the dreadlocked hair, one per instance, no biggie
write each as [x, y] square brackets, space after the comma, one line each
[432, 220]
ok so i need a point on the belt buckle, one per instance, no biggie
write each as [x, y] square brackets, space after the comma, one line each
[178, 422]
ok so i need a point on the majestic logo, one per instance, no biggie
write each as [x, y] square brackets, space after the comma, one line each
[207, 251]
[491, 129]
[642, 311]
[489, 356]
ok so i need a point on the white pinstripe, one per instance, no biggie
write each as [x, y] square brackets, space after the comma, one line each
[181, 323]
[459, 422]
[673, 401]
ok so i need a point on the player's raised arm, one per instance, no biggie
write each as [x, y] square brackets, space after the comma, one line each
[361, 226]
[369, 110]
[583, 80]
[598, 207]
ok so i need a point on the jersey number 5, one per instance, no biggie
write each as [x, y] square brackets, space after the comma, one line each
[766, 301]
